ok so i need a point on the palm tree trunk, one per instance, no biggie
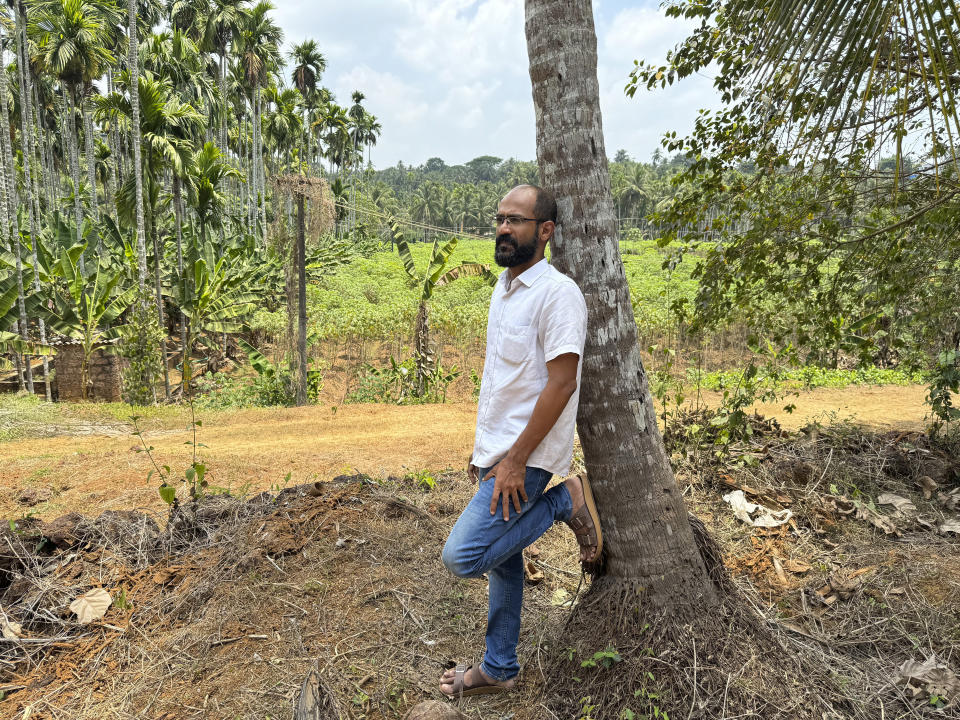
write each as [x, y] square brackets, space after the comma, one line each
[158, 268]
[133, 67]
[30, 174]
[13, 203]
[226, 104]
[259, 163]
[649, 544]
[178, 210]
[75, 166]
[91, 167]
[301, 301]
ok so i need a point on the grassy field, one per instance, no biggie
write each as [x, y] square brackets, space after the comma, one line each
[371, 299]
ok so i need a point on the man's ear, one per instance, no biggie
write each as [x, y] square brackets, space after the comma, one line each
[546, 231]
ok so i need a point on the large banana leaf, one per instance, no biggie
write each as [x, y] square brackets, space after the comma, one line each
[438, 262]
[467, 269]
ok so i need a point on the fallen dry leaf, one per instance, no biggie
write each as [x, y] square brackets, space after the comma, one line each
[950, 500]
[753, 514]
[91, 606]
[952, 525]
[902, 505]
[928, 678]
[779, 569]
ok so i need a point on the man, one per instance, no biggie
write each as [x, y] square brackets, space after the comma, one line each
[525, 422]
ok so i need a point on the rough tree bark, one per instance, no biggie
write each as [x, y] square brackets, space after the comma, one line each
[648, 540]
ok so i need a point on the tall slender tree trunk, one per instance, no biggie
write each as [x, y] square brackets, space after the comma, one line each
[649, 544]
[13, 204]
[261, 213]
[91, 166]
[178, 210]
[301, 300]
[133, 67]
[30, 173]
[71, 103]
[226, 104]
[158, 270]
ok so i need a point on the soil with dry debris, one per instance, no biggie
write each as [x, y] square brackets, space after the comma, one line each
[221, 610]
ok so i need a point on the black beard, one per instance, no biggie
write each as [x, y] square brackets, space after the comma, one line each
[517, 256]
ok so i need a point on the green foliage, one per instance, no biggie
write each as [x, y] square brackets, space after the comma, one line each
[809, 377]
[945, 384]
[397, 384]
[603, 659]
[423, 480]
[193, 479]
[140, 347]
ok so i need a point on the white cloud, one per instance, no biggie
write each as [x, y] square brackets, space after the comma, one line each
[386, 94]
[464, 40]
[449, 78]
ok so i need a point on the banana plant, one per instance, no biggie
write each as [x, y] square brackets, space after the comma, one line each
[211, 302]
[435, 275]
[88, 303]
[9, 315]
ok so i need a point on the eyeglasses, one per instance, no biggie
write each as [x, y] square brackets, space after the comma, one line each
[513, 220]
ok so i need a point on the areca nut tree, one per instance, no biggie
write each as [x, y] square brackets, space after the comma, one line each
[309, 65]
[223, 20]
[167, 128]
[259, 42]
[73, 36]
[11, 225]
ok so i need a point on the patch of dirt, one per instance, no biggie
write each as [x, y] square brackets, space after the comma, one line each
[253, 450]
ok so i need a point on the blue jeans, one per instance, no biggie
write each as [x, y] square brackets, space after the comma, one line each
[483, 543]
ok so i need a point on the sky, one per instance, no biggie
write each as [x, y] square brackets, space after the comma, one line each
[448, 78]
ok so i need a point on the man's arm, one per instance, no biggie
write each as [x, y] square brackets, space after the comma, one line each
[510, 473]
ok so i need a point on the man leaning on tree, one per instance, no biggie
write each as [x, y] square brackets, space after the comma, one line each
[526, 417]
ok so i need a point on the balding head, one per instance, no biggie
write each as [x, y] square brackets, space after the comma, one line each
[544, 205]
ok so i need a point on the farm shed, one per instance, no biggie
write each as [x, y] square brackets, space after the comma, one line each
[104, 375]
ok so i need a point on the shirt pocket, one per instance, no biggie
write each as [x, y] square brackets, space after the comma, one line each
[517, 343]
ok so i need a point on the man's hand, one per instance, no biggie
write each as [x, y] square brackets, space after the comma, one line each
[472, 470]
[509, 485]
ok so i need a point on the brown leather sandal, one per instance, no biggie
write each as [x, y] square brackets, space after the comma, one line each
[461, 690]
[585, 522]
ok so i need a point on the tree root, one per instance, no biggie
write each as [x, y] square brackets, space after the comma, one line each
[622, 656]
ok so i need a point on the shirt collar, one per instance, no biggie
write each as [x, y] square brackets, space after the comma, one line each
[529, 276]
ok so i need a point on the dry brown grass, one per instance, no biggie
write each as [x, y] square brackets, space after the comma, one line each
[255, 449]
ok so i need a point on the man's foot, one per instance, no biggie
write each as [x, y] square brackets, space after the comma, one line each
[474, 681]
[584, 520]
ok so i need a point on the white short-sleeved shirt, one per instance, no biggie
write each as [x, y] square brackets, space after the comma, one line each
[534, 318]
